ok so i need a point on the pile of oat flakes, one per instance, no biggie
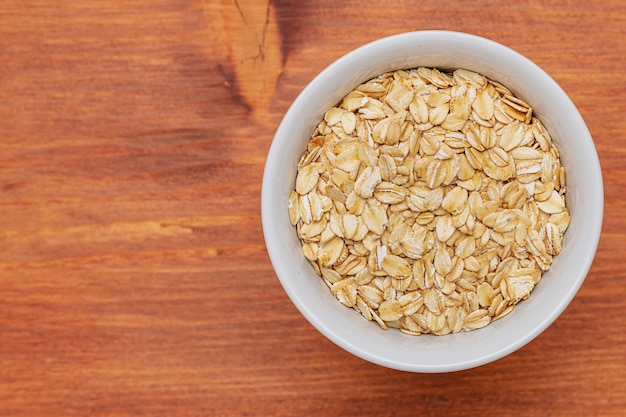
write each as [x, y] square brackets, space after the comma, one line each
[431, 202]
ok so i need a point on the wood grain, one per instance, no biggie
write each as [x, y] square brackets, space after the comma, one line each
[133, 274]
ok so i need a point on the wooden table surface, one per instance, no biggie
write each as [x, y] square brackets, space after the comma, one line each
[134, 279]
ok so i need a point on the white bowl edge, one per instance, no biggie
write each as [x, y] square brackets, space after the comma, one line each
[339, 324]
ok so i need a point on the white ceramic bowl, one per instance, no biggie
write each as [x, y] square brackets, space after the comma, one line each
[585, 200]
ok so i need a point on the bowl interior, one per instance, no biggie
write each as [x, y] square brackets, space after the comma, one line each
[446, 50]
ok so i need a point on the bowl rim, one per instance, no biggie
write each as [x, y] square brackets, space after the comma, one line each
[285, 275]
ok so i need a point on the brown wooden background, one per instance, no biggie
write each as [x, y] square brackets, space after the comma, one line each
[134, 279]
